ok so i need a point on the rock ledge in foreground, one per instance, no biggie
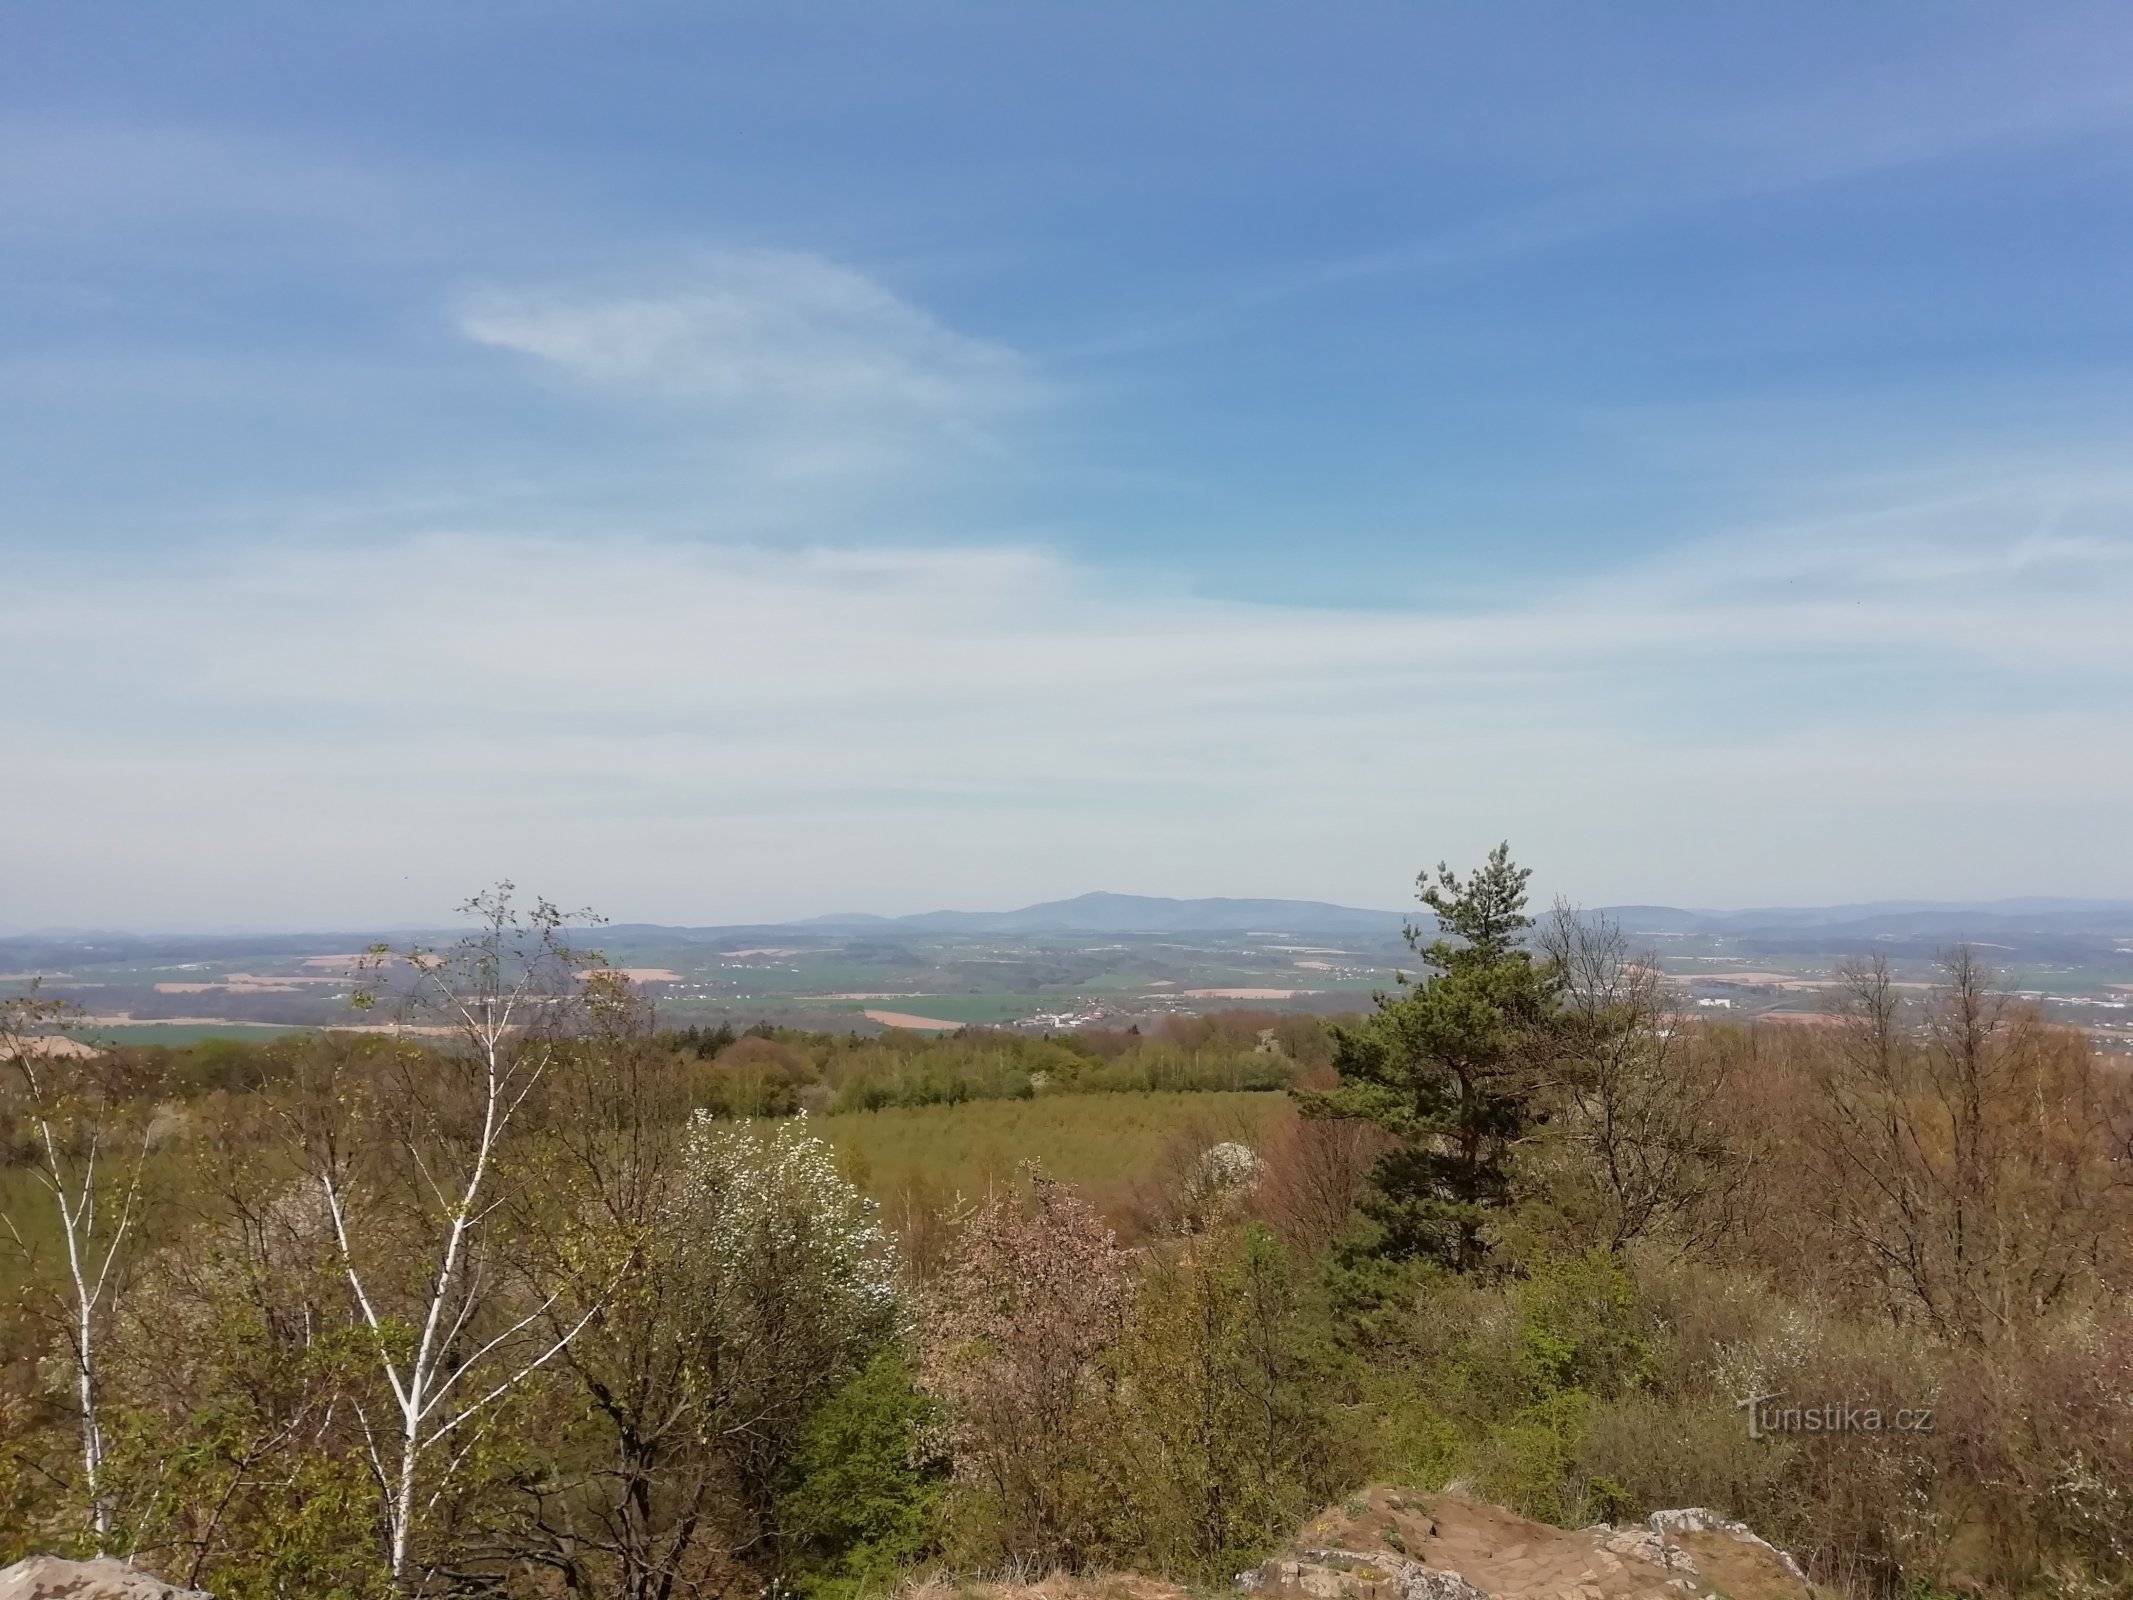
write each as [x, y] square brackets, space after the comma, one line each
[1390, 1544]
[49, 1578]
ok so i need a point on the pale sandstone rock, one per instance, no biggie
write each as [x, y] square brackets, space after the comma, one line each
[1695, 1519]
[49, 1578]
[1397, 1545]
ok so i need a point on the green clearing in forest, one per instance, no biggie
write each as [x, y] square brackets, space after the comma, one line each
[178, 1035]
[1102, 1141]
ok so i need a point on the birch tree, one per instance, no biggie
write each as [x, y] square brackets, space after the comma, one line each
[73, 1115]
[413, 1148]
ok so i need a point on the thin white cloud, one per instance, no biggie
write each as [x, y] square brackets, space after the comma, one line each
[1930, 699]
[761, 327]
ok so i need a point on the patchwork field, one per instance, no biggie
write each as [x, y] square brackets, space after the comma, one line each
[866, 978]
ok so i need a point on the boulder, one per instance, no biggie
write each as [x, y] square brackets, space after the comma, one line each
[49, 1578]
[1389, 1544]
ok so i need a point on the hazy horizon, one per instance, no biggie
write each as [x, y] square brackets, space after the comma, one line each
[2012, 904]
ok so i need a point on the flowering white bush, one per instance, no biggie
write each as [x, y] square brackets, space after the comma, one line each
[779, 1230]
[1228, 1166]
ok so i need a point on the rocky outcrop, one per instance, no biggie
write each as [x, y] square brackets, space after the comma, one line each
[1387, 1544]
[1356, 1575]
[1696, 1520]
[49, 1578]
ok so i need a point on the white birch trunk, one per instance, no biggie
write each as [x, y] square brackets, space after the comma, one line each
[92, 1257]
[432, 1388]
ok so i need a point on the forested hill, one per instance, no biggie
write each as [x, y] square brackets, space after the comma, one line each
[1140, 913]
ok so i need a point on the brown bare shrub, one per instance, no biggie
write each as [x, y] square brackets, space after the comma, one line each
[1636, 1146]
[1037, 1291]
[1313, 1174]
[1964, 1166]
[2044, 1435]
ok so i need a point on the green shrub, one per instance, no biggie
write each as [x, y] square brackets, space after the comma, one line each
[1220, 1442]
[1527, 1461]
[1580, 1327]
[864, 1499]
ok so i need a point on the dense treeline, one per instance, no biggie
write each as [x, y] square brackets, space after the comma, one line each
[766, 1070]
[769, 1071]
[545, 1303]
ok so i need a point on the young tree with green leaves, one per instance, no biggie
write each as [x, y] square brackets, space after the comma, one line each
[414, 1151]
[86, 1137]
[1220, 1442]
[1449, 1065]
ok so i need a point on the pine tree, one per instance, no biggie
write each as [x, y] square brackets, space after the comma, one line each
[1447, 1065]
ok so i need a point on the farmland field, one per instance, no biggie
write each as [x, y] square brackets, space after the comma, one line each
[2079, 966]
[180, 1034]
[1102, 1141]
[967, 1008]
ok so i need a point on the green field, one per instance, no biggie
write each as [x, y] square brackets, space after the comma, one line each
[1102, 1141]
[972, 1007]
[979, 1009]
[180, 1034]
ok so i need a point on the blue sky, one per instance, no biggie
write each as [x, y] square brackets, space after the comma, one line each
[720, 462]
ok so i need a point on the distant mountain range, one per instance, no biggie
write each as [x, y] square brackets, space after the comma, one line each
[1137, 913]
[1891, 919]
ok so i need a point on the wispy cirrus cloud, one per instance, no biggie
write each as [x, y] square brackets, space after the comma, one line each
[797, 374]
[778, 328]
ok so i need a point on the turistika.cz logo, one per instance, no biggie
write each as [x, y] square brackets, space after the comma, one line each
[1766, 1417]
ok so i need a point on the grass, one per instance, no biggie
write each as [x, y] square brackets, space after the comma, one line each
[179, 1035]
[962, 1009]
[28, 1209]
[973, 1007]
[1101, 1141]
